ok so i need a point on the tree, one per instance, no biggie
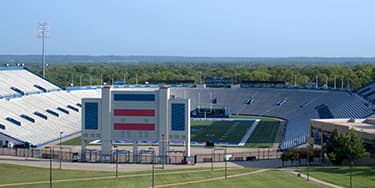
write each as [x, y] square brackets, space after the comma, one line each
[348, 146]
[333, 146]
[352, 146]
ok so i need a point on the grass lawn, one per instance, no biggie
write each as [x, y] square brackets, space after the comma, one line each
[19, 174]
[363, 176]
[262, 180]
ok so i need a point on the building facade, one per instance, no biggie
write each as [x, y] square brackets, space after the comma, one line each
[142, 114]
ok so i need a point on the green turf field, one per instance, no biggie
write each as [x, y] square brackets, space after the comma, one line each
[222, 131]
[263, 136]
[40, 177]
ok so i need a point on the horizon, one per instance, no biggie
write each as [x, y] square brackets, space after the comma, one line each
[250, 57]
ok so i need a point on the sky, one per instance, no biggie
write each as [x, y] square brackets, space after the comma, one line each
[211, 28]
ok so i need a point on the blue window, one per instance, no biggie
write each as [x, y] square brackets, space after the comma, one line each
[40, 115]
[40, 87]
[134, 97]
[13, 121]
[73, 108]
[178, 117]
[91, 115]
[52, 112]
[2, 126]
[17, 90]
[28, 118]
[63, 110]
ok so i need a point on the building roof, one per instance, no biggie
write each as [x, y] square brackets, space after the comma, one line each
[365, 127]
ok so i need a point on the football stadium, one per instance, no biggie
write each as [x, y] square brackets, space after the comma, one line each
[223, 122]
[35, 111]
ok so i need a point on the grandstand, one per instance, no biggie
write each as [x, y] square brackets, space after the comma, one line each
[295, 105]
[35, 110]
[368, 92]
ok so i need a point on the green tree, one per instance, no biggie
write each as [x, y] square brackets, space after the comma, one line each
[348, 146]
[333, 146]
[352, 146]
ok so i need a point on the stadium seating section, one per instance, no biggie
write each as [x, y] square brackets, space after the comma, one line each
[36, 115]
[35, 110]
[368, 92]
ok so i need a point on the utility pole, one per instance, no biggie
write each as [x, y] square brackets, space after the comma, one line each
[61, 133]
[42, 33]
[72, 83]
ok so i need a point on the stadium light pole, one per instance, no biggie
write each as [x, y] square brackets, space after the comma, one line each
[225, 160]
[80, 80]
[153, 167]
[163, 157]
[42, 33]
[350, 169]
[334, 82]
[212, 160]
[308, 162]
[61, 133]
[116, 150]
[50, 165]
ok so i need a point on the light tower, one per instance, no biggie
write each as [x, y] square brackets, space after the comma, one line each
[42, 33]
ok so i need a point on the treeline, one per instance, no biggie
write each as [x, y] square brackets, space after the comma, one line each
[353, 76]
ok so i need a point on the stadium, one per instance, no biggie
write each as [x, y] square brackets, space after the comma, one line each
[229, 123]
[35, 111]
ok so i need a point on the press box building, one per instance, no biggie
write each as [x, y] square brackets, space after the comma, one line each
[136, 114]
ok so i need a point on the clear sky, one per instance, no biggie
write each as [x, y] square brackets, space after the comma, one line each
[246, 28]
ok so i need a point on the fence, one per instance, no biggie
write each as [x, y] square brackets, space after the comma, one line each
[218, 155]
[124, 156]
[64, 154]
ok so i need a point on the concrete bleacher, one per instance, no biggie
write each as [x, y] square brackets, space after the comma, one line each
[368, 92]
[42, 130]
[34, 129]
[18, 78]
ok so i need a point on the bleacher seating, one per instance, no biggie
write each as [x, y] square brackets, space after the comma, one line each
[323, 111]
[296, 105]
[25, 117]
[16, 81]
[368, 92]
